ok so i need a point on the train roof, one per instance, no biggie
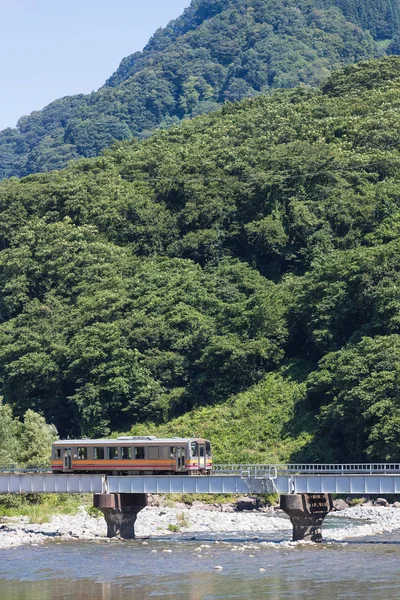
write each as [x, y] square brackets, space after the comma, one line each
[140, 440]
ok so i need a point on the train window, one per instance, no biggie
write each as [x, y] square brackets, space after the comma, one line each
[208, 448]
[139, 452]
[153, 452]
[112, 453]
[81, 454]
[57, 453]
[98, 453]
[202, 451]
[194, 448]
[126, 453]
[172, 452]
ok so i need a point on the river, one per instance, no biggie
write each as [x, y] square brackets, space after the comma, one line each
[181, 567]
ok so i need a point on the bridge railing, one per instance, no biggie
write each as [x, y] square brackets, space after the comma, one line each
[263, 470]
[246, 469]
[307, 468]
[14, 468]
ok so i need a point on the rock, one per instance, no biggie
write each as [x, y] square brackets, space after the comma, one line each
[155, 520]
[218, 568]
[197, 504]
[340, 505]
[214, 507]
[155, 500]
[396, 504]
[381, 502]
[245, 503]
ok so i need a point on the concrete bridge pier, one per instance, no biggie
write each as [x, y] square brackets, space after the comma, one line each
[307, 512]
[120, 512]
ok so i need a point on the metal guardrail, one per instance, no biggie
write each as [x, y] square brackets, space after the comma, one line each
[262, 470]
[304, 468]
[13, 468]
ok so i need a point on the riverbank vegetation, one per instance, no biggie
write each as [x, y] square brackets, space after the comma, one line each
[41, 508]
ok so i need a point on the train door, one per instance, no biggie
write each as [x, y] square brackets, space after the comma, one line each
[202, 456]
[180, 459]
[67, 459]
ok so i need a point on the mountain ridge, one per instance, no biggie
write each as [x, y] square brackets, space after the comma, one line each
[216, 51]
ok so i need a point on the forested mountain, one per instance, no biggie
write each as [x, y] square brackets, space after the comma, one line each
[217, 50]
[242, 266]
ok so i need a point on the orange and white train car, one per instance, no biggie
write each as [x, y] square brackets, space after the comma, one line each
[145, 455]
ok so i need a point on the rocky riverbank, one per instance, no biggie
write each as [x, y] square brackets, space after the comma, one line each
[158, 521]
[373, 520]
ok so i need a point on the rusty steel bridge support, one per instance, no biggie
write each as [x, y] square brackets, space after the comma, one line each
[120, 512]
[306, 513]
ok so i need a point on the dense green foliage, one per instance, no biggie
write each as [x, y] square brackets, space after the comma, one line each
[260, 425]
[358, 387]
[381, 17]
[217, 50]
[235, 276]
[26, 443]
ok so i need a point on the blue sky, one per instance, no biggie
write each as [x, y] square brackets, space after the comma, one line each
[54, 48]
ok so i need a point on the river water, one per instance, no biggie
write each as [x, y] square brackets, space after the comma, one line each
[184, 568]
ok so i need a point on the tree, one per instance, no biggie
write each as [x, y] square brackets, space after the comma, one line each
[358, 389]
[8, 433]
[35, 439]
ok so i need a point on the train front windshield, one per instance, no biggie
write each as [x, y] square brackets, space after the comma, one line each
[194, 449]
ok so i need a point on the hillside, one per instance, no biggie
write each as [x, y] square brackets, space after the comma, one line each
[243, 265]
[217, 50]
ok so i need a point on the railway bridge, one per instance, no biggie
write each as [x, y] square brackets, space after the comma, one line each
[305, 489]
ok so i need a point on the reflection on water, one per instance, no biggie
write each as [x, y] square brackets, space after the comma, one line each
[131, 570]
[209, 586]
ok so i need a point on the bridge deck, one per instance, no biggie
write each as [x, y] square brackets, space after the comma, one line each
[47, 483]
[234, 484]
[227, 479]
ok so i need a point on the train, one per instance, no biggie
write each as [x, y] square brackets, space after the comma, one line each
[133, 455]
